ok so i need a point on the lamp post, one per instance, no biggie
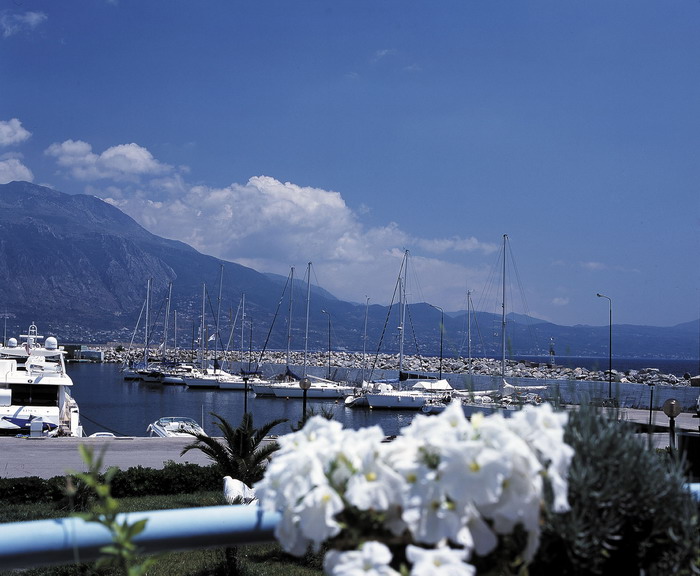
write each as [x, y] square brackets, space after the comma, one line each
[304, 384]
[329, 342]
[442, 325]
[609, 344]
[245, 394]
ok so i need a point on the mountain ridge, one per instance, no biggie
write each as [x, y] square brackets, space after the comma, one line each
[79, 267]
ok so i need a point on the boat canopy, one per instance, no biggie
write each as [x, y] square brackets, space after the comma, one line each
[433, 385]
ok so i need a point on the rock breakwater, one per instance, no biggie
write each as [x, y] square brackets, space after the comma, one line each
[423, 365]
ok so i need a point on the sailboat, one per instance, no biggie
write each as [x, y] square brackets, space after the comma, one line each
[506, 396]
[411, 393]
[207, 376]
[290, 386]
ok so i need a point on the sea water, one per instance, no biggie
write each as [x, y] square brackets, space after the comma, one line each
[126, 408]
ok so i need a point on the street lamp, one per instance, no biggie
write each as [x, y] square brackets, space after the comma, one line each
[609, 345]
[329, 343]
[442, 325]
[304, 384]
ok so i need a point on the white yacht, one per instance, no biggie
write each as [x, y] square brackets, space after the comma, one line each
[174, 427]
[35, 388]
[319, 388]
[414, 398]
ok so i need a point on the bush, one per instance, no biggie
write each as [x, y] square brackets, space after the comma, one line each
[26, 490]
[174, 478]
[630, 511]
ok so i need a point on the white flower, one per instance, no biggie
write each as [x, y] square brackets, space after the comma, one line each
[473, 471]
[543, 429]
[438, 562]
[317, 514]
[431, 516]
[370, 559]
[375, 485]
[444, 479]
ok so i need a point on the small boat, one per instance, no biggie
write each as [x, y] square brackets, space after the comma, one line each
[242, 382]
[175, 374]
[320, 388]
[413, 398]
[35, 388]
[206, 378]
[174, 427]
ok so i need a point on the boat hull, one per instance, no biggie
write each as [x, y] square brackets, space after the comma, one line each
[318, 392]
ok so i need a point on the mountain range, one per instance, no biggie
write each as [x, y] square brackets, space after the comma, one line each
[79, 268]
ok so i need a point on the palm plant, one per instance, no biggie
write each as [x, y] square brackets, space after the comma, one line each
[241, 454]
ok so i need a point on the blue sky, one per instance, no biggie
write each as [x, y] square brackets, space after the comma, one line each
[274, 133]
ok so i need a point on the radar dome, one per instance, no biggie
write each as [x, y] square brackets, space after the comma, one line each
[12, 342]
[51, 343]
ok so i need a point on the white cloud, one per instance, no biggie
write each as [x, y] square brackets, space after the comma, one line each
[384, 53]
[12, 132]
[125, 162]
[271, 225]
[11, 169]
[560, 301]
[12, 24]
[593, 265]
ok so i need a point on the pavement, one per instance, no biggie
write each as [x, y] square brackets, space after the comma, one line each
[49, 457]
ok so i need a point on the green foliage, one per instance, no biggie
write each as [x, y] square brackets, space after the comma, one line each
[122, 552]
[29, 489]
[325, 412]
[241, 454]
[173, 478]
[630, 512]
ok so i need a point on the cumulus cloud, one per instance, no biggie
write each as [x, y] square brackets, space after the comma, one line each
[11, 169]
[271, 225]
[13, 24]
[125, 162]
[560, 301]
[12, 132]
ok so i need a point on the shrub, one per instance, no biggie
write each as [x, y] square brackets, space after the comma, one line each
[630, 511]
[174, 478]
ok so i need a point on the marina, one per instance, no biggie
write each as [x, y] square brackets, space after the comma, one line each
[126, 407]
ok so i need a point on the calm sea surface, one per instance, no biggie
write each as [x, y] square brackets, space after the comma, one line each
[109, 403]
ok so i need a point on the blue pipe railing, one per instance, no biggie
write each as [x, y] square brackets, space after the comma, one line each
[73, 540]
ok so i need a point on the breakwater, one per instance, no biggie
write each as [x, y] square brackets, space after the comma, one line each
[376, 366]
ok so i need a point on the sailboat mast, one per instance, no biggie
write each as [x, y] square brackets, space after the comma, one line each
[202, 335]
[364, 340]
[218, 315]
[469, 328]
[402, 309]
[503, 312]
[308, 302]
[289, 316]
[165, 323]
[145, 344]
[242, 324]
